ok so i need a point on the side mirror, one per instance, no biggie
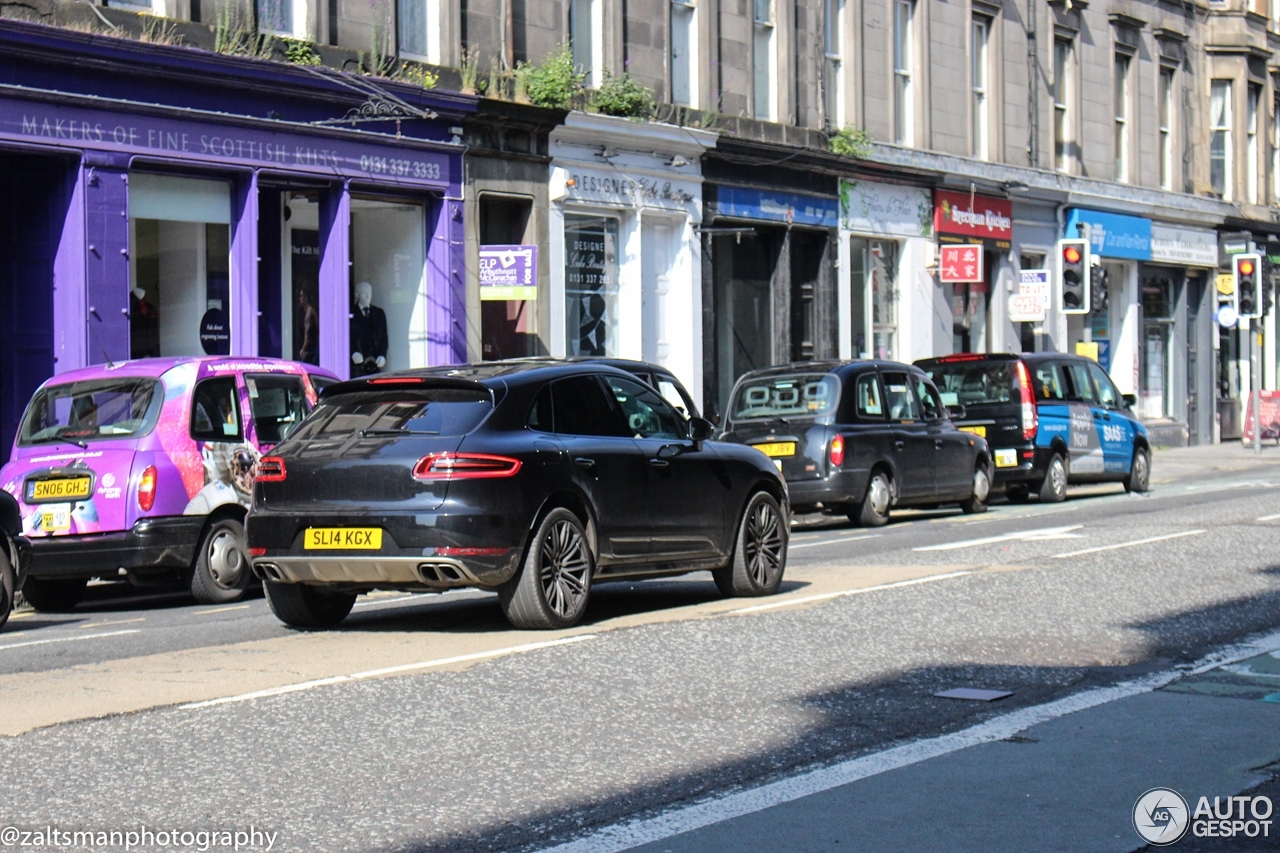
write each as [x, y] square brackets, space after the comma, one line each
[701, 429]
[956, 412]
[1130, 400]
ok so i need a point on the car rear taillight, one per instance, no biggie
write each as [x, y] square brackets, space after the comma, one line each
[271, 470]
[1030, 417]
[465, 466]
[147, 489]
[257, 552]
[837, 451]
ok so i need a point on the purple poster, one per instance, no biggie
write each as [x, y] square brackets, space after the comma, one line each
[508, 273]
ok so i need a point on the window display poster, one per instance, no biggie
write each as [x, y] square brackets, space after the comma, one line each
[304, 249]
[508, 272]
[591, 284]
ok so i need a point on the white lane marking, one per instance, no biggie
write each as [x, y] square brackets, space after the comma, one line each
[997, 516]
[70, 639]
[1267, 517]
[832, 541]
[1039, 534]
[1146, 541]
[827, 595]
[221, 610]
[374, 673]
[116, 622]
[682, 819]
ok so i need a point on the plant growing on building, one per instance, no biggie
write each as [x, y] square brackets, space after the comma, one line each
[378, 62]
[851, 142]
[418, 75]
[159, 31]
[554, 83]
[469, 69]
[300, 52]
[234, 34]
[623, 96]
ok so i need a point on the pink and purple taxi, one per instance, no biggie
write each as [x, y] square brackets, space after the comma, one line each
[144, 470]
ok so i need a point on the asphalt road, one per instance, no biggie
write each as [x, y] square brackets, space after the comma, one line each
[667, 693]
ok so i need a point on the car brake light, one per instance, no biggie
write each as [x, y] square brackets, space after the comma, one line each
[396, 380]
[472, 552]
[257, 552]
[837, 451]
[1030, 417]
[147, 489]
[271, 469]
[465, 466]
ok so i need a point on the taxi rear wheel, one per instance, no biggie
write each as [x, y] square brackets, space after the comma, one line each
[54, 596]
[977, 502]
[221, 573]
[301, 606]
[879, 500]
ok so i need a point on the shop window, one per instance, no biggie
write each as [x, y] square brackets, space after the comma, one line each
[180, 275]
[508, 327]
[591, 285]
[300, 276]
[388, 286]
[418, 29]
[1027, 331]
[1155, 392]
[684, 53]
[873, 268]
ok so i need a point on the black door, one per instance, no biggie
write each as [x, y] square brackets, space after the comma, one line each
[913, 445]
[953, 450]
[608, 466]
[687, 511]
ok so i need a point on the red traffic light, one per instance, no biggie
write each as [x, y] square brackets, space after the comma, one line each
[1245, 267]
[1071, 254]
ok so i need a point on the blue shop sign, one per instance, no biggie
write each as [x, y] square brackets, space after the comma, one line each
[1113, 235]
[743, 203]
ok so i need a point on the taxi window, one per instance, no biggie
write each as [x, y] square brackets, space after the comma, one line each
[899, 399]
[1048, 382]
[1105, 389]
[870, 404]
[933, 408]
[214, 413]
[1080, 387]
[278, 402]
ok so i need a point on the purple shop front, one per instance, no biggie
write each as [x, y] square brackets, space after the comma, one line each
[155, 229]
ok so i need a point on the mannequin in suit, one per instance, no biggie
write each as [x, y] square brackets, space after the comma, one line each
[368, 333]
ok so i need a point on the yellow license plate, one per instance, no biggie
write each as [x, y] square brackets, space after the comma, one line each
[777, 448]
[55, 518]
[1006, 458]
[342, 538]
[64, 488]
[978, 430]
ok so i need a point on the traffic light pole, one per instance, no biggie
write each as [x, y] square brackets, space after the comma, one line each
[1255, 366]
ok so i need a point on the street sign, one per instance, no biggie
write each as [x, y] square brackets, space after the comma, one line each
[1031, 301]
[1227, 317]
[962, 263]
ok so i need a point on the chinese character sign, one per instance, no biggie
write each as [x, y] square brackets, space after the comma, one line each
[958, 264]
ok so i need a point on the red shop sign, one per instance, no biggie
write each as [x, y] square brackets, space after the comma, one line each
[959, 264]
[973, 216]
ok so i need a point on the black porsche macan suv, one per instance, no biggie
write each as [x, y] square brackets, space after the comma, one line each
[534, 480]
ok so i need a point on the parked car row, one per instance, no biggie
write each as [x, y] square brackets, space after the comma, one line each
[536, 479]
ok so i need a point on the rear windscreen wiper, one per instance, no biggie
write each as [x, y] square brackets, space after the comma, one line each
[52, 438]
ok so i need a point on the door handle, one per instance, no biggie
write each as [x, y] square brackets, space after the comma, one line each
[899, 444]
[584, 461]
[659, 463]
[937, 444]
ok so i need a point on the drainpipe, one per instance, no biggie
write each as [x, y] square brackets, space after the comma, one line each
[1033, 106]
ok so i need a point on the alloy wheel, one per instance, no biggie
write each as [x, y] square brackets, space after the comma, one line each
[1058, 476]
[763, 543]
[564, 568]
[226, 561]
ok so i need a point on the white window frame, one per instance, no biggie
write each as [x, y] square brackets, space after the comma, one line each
[684, 75]
[1223, 131]
[980, 85]
[903, 67]
[586, 39]
[432, 21]
[1252, 181]
[1121, 69]
[297, 24]
[764, 59]
[1063, 49]
[833, 45]
[1166, 110]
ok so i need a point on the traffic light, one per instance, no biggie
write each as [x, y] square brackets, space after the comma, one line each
[1247, 275]
[1073, 275]
[1100, 289]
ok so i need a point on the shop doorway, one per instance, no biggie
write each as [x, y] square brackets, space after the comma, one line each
[744, 270]
[388, 298]
[508, 328]
[300, 275]
[657, 257]
[34, 193]
[1160, 293]
[873, 273]
[1195, 294]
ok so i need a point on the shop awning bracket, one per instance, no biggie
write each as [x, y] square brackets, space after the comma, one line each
[379, 104]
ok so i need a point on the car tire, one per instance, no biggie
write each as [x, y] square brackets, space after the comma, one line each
[54, 596]
[1054, 487]
[875, 508]
[1139, 478]
[977, 502]
[8, 583]
[760, 550]
[1017, 494]
[302, 606]
[553, 585]
[222, 571]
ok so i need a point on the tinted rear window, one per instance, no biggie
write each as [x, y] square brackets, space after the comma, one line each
[800, 395]
[92, 410]
[975, 383]
[440, 411]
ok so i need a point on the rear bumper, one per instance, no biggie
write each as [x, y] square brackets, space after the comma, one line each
[388, 570]
[1032, 463]
[167, 542]
[839, 487]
